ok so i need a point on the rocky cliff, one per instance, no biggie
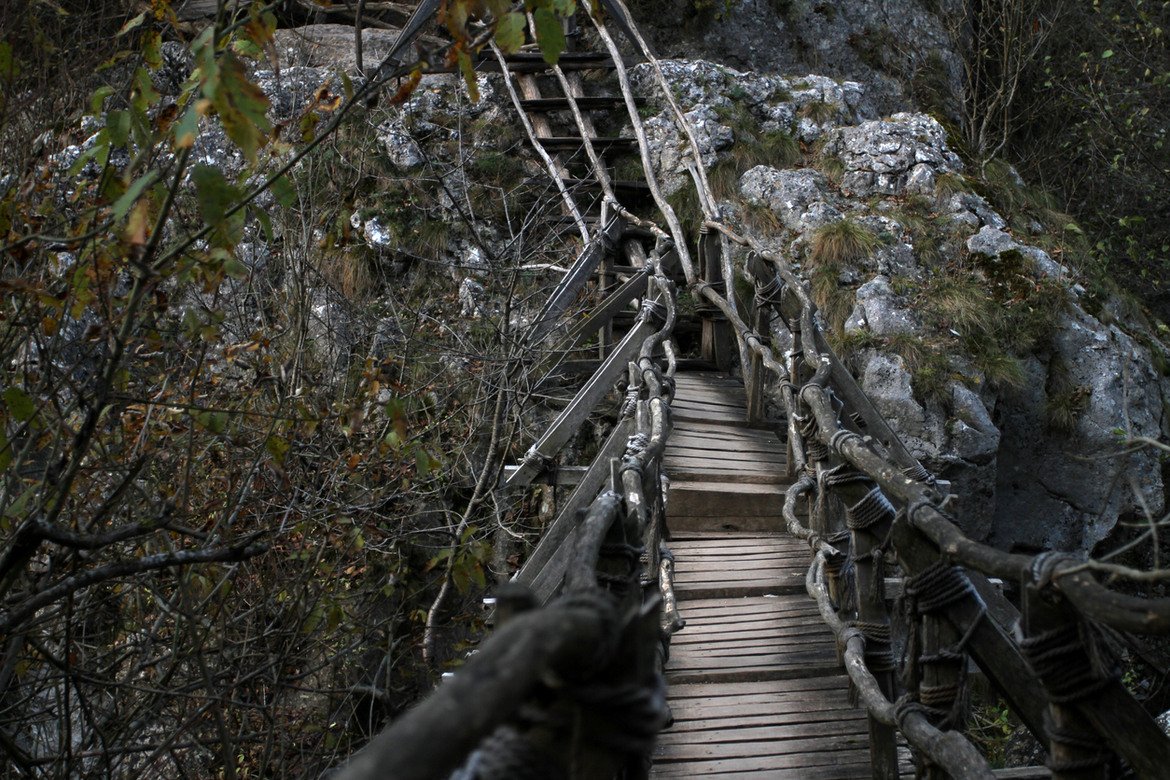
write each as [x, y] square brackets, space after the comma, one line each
[992, 360]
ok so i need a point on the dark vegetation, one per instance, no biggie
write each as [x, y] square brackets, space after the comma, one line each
[246, 458]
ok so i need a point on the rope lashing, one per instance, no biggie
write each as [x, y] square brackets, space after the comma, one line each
[872, 509]
[929, 592]
[654, 311]
[637, 443]
[1045, 563]
[879, 654]
[837, 441]
[534, 457]
[771, 291]
[1061, 660]
[630, 403]
[604, 603]
[631, 463]
[619, 583]
[918, 473]
[1077, 738]
[506, 754]
[937, 587]
[814, 449]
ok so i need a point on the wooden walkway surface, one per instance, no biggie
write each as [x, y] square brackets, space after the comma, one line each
[753, 679]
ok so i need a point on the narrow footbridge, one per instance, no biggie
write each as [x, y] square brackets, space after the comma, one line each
[754, 681]
[753, 577]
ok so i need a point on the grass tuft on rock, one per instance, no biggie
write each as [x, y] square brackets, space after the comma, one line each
[842, 242]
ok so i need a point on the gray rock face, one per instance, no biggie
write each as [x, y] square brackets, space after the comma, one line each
[1041, 475]
[879, 311]
[704, 89]
[881, 157]
[991, 242]
[789, 194]
[332, 46]
[1020, 481]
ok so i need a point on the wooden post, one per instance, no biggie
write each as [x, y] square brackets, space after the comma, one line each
[941, 677]
[716, 347]
[753, 373]
[604, 278]
[875, 623]
[1071, 749]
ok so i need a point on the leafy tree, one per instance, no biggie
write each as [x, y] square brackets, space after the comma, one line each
[221, 527]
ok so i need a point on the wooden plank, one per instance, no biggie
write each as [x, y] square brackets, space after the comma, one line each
[835, 767]
[572, 282]
[616, 301]
[558, 532]
[775, 747]
[792, 731]
[823, 685]
[759, 704]
[569, 421]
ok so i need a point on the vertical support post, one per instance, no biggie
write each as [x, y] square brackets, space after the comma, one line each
[1075, 750]
[941, 678]
[753, 372]
[604, 279]
[875, 624]
[716, 346]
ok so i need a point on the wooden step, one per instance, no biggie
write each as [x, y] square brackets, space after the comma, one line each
[595, 103]
[631, 187]
[602, 145]
[725, 505]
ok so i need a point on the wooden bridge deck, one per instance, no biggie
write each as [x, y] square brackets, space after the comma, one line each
[754, 682]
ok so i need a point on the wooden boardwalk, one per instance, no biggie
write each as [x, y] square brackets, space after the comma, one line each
[753, 679]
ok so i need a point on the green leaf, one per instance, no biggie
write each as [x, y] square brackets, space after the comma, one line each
[234, 268]
[216, 196]
[123, 204]
[18, 402]
[242, 106]
[152, 49]
[118, 127]
[510, 33]
[99, 98]
[1107, 54]
[469, 77]
[186, 128]
[216, 422]
[265, 224]
[5, 450]
[277, 448]
[284, 192]
[131, 25]
[565, 7]
[8, 67]
[549, 35]
[144, 95]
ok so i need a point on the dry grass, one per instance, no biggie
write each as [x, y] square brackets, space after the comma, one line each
[842, 242]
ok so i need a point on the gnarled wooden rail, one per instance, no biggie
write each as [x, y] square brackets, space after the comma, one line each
[570, 683]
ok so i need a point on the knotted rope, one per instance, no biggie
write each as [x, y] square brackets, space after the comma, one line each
[930, 592]
[1073, 663]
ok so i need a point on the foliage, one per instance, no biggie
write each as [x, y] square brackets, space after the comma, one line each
[752, 147]
[222, 526]
[836, 247]
[1075, 95]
